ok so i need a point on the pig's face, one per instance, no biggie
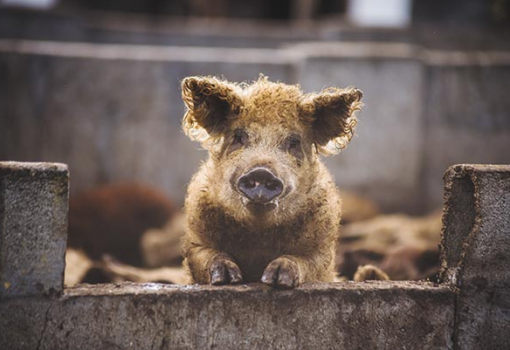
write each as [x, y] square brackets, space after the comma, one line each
[264, 140]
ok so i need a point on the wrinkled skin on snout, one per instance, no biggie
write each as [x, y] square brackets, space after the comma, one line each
[263, 207]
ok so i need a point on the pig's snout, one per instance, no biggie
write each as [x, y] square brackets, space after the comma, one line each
[260, 185]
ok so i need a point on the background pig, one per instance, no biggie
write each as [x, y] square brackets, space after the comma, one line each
[263, 207]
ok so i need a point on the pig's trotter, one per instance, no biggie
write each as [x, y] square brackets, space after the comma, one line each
[370, 272]
[224, 271]
[281, 273]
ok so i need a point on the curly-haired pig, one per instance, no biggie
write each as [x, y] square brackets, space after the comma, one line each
[263, 207]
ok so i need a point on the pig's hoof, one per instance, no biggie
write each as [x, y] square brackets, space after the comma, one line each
[281, 273]
[225, 271]
[370, 272]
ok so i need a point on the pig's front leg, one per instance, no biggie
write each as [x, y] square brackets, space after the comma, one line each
[282, 272]
[224, 270]
[211, 266]
[288, 271]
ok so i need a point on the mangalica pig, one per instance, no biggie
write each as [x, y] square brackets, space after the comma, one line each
[263, 207]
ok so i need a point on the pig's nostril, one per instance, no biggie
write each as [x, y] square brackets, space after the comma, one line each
[250, 183]
[272, 185]
[260, 185]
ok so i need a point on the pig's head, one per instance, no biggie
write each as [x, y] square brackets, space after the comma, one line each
[264, 140]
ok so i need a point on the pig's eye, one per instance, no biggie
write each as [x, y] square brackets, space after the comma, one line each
[239, 140]
[240, 137]
[293, 146]
[293, 143]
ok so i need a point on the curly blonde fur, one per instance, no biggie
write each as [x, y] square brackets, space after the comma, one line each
[201, 95]
[290, 238]
[336, 133]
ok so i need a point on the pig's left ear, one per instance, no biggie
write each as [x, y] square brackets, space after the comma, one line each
[210, 103]
[331, 115]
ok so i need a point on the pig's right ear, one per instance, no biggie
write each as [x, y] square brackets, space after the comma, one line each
[331, 115]
[211, 104]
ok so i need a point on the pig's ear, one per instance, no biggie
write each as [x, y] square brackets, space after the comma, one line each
[331, 115]
[210, 103]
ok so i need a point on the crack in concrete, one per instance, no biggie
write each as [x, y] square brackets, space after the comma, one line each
[39, 342]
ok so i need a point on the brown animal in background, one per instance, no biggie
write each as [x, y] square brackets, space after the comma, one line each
[112, 219]
[263, 207]
[405, 247]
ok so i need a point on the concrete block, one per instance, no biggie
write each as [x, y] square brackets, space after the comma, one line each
[33, 228]
[372, 315]
[476, 253]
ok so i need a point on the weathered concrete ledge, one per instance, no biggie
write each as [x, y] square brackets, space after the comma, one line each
[371, 315]
[33, 228]
[470, 310]
[476, 253]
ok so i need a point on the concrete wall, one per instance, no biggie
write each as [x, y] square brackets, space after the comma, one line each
[475, 253]
[33, 208]
[383, 161]
[33, 228]
[467, 311]
[113, 116]
[466, 114]
[378, 315]
[112, 112]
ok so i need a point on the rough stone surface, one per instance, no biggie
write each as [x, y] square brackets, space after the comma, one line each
[33, 228]
[469, 311]
[376, 315]
[476, 253]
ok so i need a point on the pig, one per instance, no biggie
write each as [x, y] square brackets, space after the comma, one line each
[263, 206]
[112, 219]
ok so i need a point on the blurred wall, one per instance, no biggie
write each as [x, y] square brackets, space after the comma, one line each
[113, 112]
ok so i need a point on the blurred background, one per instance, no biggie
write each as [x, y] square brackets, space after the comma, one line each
[95, 84]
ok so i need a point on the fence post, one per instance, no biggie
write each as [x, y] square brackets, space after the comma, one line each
[33, 228]
[476, 253]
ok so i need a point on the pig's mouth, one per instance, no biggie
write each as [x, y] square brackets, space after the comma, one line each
[260, 208]
[261, 189]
